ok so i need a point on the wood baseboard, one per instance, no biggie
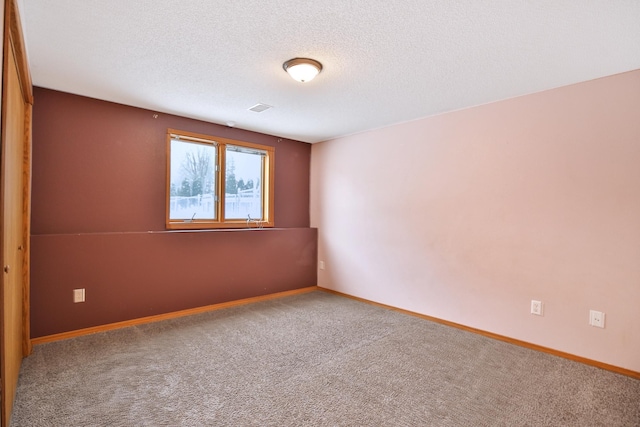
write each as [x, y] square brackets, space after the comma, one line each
[167, 316]
[520, 343]
[197, 310]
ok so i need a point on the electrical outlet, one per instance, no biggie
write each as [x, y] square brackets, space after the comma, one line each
[536, 307]
[321, 265]
[596, 318]
[78, 295]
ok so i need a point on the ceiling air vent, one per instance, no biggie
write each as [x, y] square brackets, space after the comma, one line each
[259, 108]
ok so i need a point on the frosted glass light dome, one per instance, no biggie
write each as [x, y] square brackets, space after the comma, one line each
[302, 69]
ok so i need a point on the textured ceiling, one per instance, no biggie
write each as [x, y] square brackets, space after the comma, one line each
[384, 61]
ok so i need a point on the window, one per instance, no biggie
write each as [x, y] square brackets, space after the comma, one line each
[217, 182]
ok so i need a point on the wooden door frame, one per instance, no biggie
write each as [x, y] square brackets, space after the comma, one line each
[13, 44]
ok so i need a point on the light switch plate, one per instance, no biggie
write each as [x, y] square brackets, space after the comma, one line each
[536, 307]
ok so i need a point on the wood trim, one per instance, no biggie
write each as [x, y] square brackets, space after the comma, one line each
[268, 176]
[198, 310]
[199, 137]
[15, 34]
[6, 50]
[221, 185]
[498, 337]
[14, 52]
[167, 190]
[167, 316]
[3, 277]
[212, 225]
[26, 232]
[269, 201]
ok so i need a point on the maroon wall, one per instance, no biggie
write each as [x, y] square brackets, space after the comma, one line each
[98, 210]
[100, 166]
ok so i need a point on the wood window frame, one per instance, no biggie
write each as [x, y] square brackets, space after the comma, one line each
[268, 184]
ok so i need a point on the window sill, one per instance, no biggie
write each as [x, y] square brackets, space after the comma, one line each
[230, 225]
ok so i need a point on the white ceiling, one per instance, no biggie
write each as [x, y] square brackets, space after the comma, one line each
[385, 61]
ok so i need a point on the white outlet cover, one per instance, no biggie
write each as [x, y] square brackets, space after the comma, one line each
[596, 318]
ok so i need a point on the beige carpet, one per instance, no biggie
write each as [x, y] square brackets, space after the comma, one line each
[311, 360]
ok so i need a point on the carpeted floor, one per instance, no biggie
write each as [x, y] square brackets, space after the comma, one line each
[315, 359]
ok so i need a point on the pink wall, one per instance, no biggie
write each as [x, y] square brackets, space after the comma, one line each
[468, 216]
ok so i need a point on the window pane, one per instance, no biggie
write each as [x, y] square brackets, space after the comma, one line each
[243, 192]
[193, 186]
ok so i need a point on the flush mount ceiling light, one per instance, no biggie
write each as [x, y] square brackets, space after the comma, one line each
[302, 69]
